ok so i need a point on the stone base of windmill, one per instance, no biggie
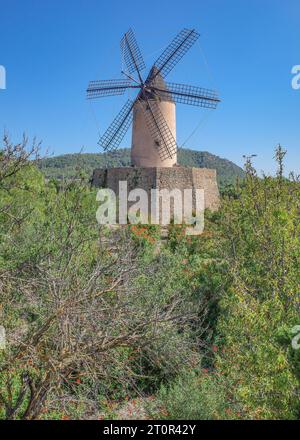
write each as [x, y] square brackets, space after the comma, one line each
[169, 178]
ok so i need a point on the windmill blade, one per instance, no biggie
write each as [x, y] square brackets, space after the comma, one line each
[185, 94]
[174, 52]
[109, 87]
[118, 128]
[159, 130]
[131, 54]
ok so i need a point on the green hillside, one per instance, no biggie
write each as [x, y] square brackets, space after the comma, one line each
[68, 165]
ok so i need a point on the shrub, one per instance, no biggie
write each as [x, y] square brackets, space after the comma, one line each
[261, 242]
[192, 396]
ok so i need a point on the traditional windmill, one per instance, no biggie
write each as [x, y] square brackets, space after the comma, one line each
[153, 110]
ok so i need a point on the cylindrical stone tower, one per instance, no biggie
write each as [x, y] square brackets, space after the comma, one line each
[144, 149]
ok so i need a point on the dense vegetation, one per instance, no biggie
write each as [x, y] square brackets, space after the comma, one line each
[69, 165]
[116, 323]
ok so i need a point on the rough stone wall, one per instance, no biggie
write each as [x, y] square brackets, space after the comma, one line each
[162, 177]
[136, 178]
[99, 178]
[207, 179]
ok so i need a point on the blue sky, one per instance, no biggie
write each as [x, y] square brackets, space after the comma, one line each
[51, 49]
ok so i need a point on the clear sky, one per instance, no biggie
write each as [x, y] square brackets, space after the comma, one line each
[247, 48]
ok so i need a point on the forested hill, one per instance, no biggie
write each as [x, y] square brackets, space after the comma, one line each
[68, 165]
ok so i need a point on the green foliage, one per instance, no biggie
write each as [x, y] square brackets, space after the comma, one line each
[69, 165]
[192, 396]
[227, 171]
[205, 323]
[261, 242]
[68, 288]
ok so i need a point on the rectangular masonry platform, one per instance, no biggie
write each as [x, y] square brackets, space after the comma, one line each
[162, 178]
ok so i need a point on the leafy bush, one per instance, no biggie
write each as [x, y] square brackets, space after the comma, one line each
[96, 317]
[192, 396]
[261, 242]
[83, 323]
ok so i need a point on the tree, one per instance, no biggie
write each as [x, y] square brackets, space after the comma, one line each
[261, 234]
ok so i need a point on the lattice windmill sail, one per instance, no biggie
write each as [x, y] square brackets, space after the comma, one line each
[153, 110]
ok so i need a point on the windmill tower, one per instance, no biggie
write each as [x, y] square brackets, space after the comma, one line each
[153, 110]
[146, 145]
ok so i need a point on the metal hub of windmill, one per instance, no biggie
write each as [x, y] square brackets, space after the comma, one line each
[151, 92]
